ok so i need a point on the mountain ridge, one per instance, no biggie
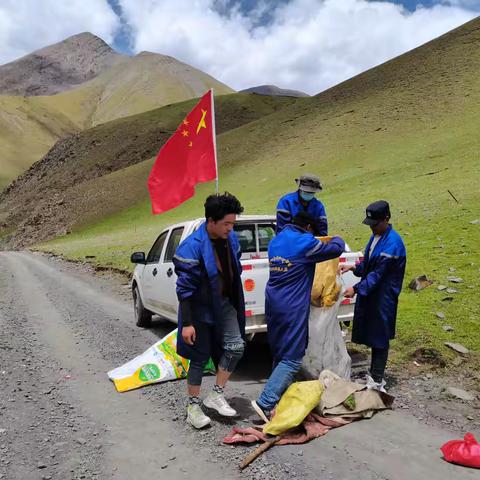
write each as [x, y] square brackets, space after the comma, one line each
[58, 67]
[274, 90]
[112, 86]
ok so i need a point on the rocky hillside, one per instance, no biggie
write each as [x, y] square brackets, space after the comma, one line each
[58, 67]
[94, 173]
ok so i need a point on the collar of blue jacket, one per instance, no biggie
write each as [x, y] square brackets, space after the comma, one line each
[201, 236]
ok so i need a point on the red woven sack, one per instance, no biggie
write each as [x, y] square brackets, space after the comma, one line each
[464, 452]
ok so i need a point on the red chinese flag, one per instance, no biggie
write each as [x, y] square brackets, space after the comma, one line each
[186, 159]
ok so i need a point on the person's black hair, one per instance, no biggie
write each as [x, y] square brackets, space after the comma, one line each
[218, 206]
[303, 219]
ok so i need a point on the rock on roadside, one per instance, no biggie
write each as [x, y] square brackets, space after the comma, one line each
[461, 394]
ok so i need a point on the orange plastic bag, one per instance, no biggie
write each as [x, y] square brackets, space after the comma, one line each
[464, 452]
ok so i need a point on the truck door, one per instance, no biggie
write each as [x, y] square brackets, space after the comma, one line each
[256, 272]
[165, 296]
[151, 270]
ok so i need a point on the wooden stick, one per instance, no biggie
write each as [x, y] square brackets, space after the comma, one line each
[453, 196]
[258, 451]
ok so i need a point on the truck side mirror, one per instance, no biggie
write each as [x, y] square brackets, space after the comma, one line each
[138, 257]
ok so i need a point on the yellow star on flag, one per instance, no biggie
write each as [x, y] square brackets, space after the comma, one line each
[190, 144]
[185, 133]
[201, 123]
[186, 122]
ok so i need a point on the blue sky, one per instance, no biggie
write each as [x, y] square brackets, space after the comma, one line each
[123, 36]
[307, 45]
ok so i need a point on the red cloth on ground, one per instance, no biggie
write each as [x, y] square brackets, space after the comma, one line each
[312, 427]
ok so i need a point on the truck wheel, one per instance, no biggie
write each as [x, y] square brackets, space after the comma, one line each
[142, 315]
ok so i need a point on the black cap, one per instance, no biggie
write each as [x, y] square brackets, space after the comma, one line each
[376, 212]
[303, 219]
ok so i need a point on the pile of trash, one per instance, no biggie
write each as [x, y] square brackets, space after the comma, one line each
[310, 409]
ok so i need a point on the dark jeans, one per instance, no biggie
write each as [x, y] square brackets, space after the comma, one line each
[233, 345]
[379, 362]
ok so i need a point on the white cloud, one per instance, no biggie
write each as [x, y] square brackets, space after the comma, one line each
[27, 25]
[310, 44]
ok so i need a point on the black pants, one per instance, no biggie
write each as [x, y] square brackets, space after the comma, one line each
[379, 362]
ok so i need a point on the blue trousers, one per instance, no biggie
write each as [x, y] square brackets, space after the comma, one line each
[281, 378]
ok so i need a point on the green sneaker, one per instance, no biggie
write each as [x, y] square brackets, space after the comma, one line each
[195, 416]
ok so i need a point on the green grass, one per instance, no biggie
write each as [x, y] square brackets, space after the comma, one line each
[406, 132]
[436, 230]
[27, 131]
[30, 126]
[104, 169]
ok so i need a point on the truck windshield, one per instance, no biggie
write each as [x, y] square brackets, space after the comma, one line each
[254, 238]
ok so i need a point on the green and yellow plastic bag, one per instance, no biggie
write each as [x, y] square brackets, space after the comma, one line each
[296, 403]
[160, 363]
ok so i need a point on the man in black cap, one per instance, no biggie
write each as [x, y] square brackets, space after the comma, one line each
[303, 200]
[381, 272]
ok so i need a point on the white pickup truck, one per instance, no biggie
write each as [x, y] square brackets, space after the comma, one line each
[154, 278]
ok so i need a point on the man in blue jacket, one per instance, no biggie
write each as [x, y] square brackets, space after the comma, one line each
[293, 254]
[303, 200]
[381, 273]
[211, 317]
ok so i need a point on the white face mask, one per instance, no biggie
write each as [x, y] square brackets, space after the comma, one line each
[306, 196]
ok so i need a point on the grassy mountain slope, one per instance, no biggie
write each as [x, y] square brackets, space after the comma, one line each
[134, 85]
[66, 187]
[130, 85]
[27, 131]
[406, 131]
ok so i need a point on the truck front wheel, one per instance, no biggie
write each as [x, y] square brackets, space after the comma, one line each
[143, 316]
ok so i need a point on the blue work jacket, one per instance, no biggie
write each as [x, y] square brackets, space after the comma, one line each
[290, 204]
[381, 275]
[293, 254]
[198, 279]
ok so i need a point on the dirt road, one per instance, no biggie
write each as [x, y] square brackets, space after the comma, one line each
[62, 329]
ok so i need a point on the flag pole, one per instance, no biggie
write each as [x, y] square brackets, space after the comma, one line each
[214, 142]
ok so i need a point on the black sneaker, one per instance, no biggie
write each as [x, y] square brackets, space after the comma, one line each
[263, 414]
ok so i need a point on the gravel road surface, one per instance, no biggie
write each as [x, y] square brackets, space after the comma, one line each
[63, 328]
